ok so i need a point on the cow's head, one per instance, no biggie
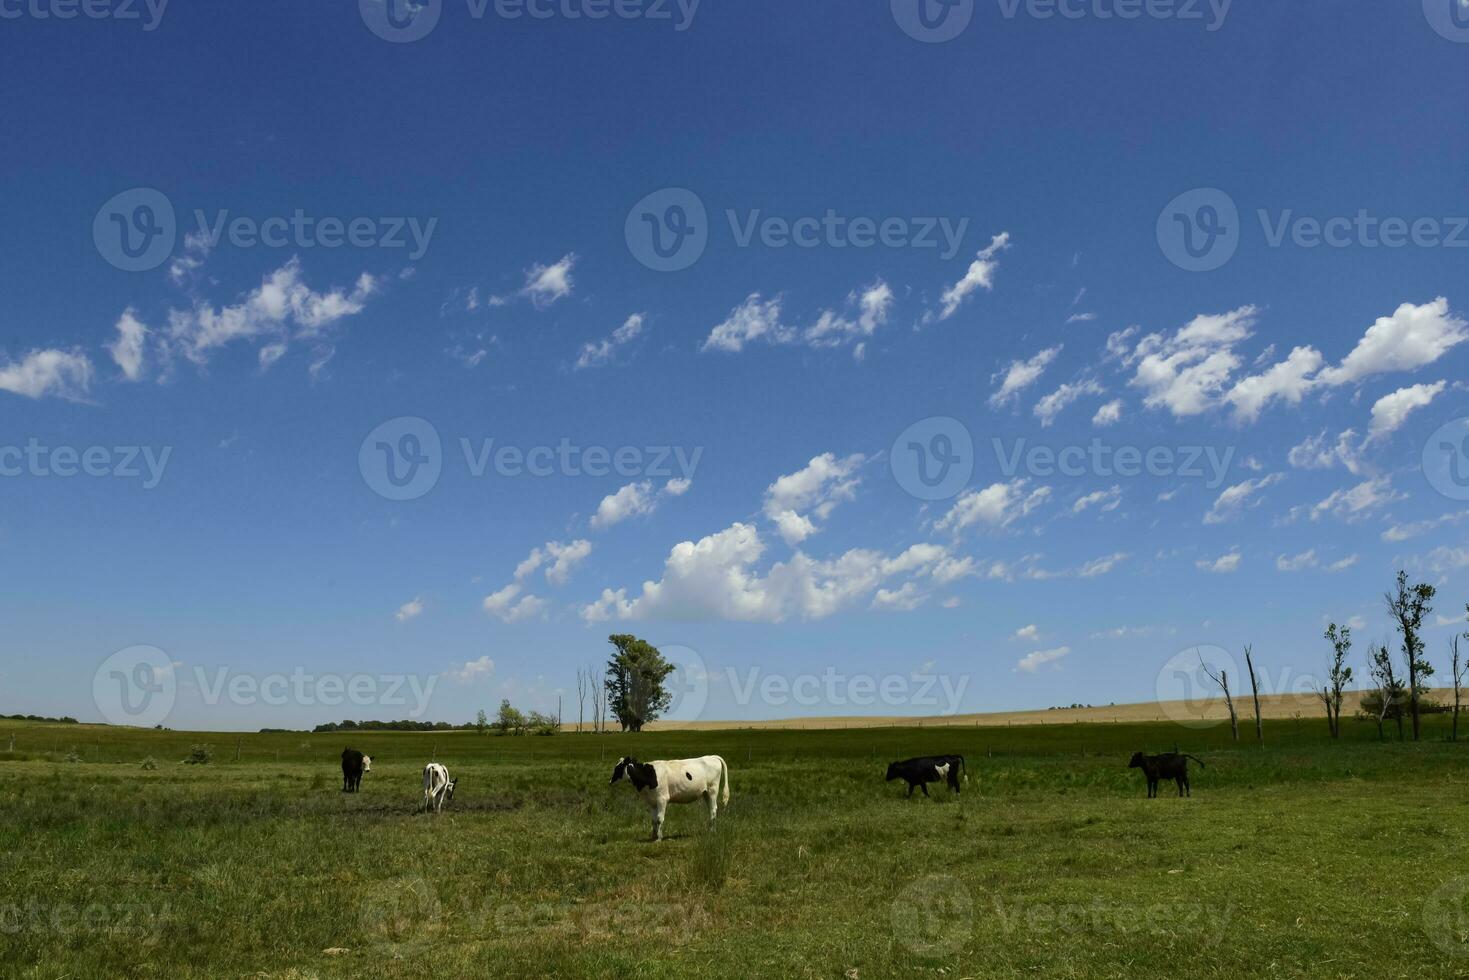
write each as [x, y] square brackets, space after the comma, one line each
[449, 792]
[1137, 761]
[367, 763]
[641, 774]
[892, 771]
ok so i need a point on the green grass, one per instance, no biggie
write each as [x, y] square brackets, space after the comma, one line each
[1301, 858]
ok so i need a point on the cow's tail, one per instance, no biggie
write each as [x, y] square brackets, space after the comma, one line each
[723, 780]
[1196, 759]
[963, 768]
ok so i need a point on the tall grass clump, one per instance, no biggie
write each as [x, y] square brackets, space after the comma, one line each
[714, 851]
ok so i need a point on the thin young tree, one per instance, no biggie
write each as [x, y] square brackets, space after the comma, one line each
[1254, 690]
[1338, 676]
[1408, 606]
[1459, 669]
[1389, 688]
[1221, 678]
[581, 696]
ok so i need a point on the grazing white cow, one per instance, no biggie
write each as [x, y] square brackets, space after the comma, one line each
[676, 781]
[438, 788]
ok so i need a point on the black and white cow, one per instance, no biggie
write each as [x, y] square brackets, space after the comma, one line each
[676, 781]
[354, 764]
[438, 788]
[927, 769]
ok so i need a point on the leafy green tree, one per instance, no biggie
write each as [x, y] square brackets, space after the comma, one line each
[635, 682]
[509, 721]
[1339, 675]
[481, 721]
[1408, 606]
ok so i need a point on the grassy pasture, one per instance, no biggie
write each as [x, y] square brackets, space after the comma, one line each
[1299, 858]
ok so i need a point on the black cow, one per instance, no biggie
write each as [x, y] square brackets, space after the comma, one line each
[1170, 765]
[929, 769]
[354, 764]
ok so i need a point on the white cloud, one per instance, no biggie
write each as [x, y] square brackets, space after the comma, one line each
[874, 303]
[128, 349]
[997, 505]
[599, 353]
[1103, 500]
[1297, 563]
[1057, 401]
[1101, 566]
[411, 609]
[473, 670]
[981, 275]
[904, 599]
[1357, 502]
[63, 374]
[1021, 375]
[1029, 633]
[1318, 454]
[716, 578]
[1344, 564]
[510, 606]
[1288, 381]
[635, 500]
[753, 320]
[1391, 411]
[559, 559]
[818, 488]
[1233, 500]
[1033, 662]
[545, 284]
[1411, 338]
[1223, 565]
[1403, 532]
[1188, 372]
[1108, 414]
[282, 309]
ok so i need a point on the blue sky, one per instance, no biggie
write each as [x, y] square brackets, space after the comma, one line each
[1033, 179]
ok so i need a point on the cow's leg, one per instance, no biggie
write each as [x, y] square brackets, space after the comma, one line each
[925, 788]
[910, 790]
[712, 798]
[658, 812]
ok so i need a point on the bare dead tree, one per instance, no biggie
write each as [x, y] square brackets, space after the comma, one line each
[1254, 690]
[1221, 678]
[581, 696]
